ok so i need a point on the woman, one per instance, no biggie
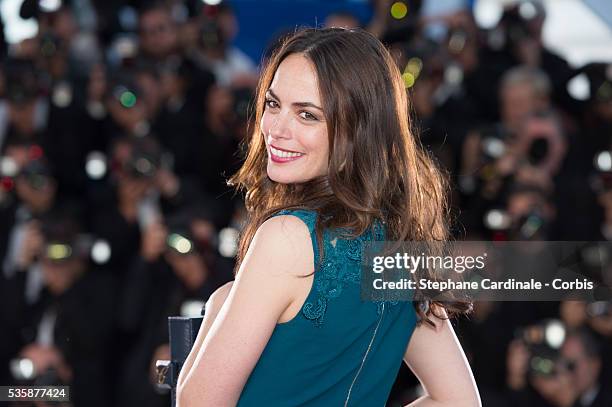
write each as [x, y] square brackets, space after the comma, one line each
[331, 164]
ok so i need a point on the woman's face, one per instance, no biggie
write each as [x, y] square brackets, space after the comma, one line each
[293, 124]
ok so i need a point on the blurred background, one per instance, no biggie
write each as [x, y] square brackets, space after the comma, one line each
[121, 120]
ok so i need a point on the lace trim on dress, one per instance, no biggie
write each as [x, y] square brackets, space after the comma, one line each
[334, 273]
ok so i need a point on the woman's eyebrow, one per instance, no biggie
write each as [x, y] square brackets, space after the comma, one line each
[298, 104]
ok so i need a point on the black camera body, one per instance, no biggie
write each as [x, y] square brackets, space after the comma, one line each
[544, 341]
[36, 172]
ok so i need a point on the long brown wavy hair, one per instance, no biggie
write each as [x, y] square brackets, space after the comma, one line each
[377, 168]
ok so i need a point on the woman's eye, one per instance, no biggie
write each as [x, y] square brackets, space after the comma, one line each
[307, 116]
[271, 103]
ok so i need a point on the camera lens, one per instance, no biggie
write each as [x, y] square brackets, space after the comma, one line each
[542, 366]
[538, 151]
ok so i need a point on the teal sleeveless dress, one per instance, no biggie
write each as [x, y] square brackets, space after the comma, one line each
[338, 350]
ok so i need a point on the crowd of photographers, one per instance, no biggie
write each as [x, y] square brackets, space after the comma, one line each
[119, 125]
[114, 214]
[527, 161]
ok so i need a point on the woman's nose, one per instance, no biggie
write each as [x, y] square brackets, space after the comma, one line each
[279, 128]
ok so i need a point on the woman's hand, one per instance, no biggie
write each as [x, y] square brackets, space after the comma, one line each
[32, 245]
[153, 242]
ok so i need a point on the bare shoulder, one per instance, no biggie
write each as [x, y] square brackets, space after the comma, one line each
[285, 226]
[283, 241]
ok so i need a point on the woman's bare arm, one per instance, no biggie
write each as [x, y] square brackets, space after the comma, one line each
[436, 358]
[264, 288]
[213, 305]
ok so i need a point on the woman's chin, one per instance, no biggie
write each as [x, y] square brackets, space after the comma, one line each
[281, 178]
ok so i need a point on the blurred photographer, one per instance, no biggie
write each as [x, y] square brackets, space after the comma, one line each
[593, 149]
[517, 40]
[27, 192]
[157, 33]
[147, 79]
[125, 103]
[25, 108]
[223, 127]
[178, 266]
[568, 375]
[532, 157]
[598, 316]
[73, 37]
[179, 123]
[114, 105]
[597, 117]
[164, 38]
[523, 92]
[225, 118]
[141, 188]
[231, 66]
[491, 151]
[65, 333]
[444, 109]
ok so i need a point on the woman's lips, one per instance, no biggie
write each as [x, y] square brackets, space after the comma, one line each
[283, 156]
